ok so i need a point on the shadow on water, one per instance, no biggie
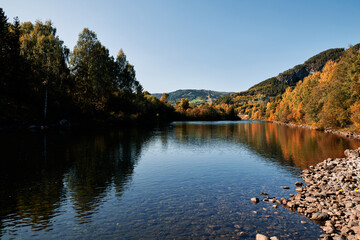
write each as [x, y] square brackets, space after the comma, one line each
[40, 171]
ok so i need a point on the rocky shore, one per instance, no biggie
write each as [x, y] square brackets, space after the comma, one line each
[331, 196]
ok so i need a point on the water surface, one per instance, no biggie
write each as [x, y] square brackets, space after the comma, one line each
[185, 181]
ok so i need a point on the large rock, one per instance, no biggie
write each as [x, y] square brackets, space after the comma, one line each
[320, 216]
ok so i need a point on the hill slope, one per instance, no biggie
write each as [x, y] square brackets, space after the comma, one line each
[276, 86]
[194, 96]
[327, 99]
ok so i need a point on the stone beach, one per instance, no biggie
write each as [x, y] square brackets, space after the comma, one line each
[331, 196]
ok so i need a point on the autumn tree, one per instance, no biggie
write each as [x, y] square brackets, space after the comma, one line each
[94, 72]
[164, 98]
[46, 54]
[183, 104]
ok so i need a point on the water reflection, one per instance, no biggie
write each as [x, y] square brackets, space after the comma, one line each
[293, 146]
[38, 173]
[72, 175]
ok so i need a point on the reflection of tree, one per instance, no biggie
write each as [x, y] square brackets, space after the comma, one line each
[32, 185]
[99, 161]
[289, 145]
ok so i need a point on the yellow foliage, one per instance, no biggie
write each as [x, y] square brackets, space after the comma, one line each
[355, 115]
[328, 71]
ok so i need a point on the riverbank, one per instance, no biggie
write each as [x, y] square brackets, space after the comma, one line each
[331, 196]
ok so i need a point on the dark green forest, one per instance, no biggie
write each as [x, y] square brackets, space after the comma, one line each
[43, 82]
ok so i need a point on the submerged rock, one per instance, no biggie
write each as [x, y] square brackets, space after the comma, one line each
[261, 237]
[274, 238]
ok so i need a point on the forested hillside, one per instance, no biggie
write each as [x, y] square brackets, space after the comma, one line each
[194, 96]
[272, 88]
[329, 98]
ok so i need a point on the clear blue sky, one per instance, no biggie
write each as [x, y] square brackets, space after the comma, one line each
[225, 45]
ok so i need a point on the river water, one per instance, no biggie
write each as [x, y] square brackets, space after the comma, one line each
[189, 180]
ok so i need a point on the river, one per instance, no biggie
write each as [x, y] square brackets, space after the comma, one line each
[187, 180]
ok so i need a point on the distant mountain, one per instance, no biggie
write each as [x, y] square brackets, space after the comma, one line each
[194, 96]
[275, 86]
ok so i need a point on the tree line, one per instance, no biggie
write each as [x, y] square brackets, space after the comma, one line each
[325, 99]
[42, 81]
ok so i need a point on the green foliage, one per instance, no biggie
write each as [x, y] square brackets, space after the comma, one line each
[46, 55]
[35, 77]
[93, 71]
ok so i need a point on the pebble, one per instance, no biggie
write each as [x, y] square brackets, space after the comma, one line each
[298, 184]
[274, 238]
[331, 196]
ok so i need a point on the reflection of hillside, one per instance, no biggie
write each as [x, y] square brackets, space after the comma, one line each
[293, 146]
[37, 172]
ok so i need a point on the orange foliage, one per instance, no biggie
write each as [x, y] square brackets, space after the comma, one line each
[355, 115]
[328, 71]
